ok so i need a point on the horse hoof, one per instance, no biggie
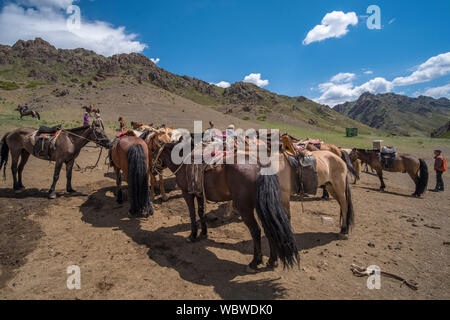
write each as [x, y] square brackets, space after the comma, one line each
[71, 191]
[343, 236]
[203, 236]
[272, 265]
[52, 195]
[251, 270]
[164, 198]
[192, 239]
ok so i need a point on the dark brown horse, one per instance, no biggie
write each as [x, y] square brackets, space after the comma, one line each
[405, 163]
[248, 189]
[24, 112]
[67, 148]
[130, 155]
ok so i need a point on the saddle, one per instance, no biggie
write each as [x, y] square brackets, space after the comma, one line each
[305, 165]
[44, 141]
[387, 156]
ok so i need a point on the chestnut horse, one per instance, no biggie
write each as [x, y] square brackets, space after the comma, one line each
[248, 189]
[24, 113]
[130, 155]
[405, 163]
[67, 148]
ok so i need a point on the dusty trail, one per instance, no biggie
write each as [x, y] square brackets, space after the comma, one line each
[150, 259]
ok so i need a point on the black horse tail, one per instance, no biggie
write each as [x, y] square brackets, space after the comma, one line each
[348, 162]
[4, 152]
[38, 115]
[138, 192]
[275, 220]
[423, 177]
[350, 220]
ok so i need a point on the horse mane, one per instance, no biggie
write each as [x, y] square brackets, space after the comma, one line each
[146, 134]
[78, 129]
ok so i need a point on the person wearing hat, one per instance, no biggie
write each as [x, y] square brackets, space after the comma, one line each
[98, 122]
[440, 166]
[230, 131]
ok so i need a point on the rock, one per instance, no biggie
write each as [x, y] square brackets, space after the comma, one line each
[327, 221]
[372, 245]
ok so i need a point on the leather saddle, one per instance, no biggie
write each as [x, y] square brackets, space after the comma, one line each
[387, 156]
[45, 141]
[305, 165]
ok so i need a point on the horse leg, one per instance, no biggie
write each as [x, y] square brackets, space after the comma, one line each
[380, 176]
[189, 198]
[14, 161]
[250, 221]
[119, 198]
[338, 192]
[23, 161]
[201, 215]
[229, 210]
[51, 192]
[161, 188]
[69, 167]
[325, 194]
[152, 186]
[415, 178]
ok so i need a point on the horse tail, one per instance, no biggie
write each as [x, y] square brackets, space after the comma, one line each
[38, 115]
[138, 192]
[348, 162]
[274, 220]
[350, 211]
[423, 177]
[4, 152]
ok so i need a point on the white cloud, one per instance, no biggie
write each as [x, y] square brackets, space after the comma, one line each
[335, 92]
[334, 25]
[368, 72]
[343, 77]
[255, 78]
[155, 60]
[433, 68]
[391, 21]
[222, 84]
[28, 19]
[438, 92]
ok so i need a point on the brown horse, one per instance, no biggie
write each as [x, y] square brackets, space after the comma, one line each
[154, 139]
[27, 112]
[91, 109]
[248, 189]
[405, 163]
[333, 149]
[67, 148]
[130, 155]
[332, 173]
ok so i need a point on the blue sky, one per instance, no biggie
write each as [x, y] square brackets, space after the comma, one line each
[226, 40]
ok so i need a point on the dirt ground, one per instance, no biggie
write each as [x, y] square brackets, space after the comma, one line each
[121, 258]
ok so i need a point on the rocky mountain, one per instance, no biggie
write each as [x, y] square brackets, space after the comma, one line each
[34, 63]
[442, 132]
[398, 114]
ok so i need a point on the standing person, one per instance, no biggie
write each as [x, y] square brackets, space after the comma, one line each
[98, 122]
[86, 120]
[440, 166]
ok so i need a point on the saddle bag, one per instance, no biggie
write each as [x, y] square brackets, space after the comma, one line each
[49, 130]
[308, 181]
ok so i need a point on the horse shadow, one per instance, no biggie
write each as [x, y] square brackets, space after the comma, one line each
[387, 192]
[194, 262]
[35, 193]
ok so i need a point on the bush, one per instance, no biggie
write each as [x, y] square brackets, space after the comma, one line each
[6, 85]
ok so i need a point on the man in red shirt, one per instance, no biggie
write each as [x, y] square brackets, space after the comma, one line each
[440, 166]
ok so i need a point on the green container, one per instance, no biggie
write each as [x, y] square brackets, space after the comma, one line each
[352, 132]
